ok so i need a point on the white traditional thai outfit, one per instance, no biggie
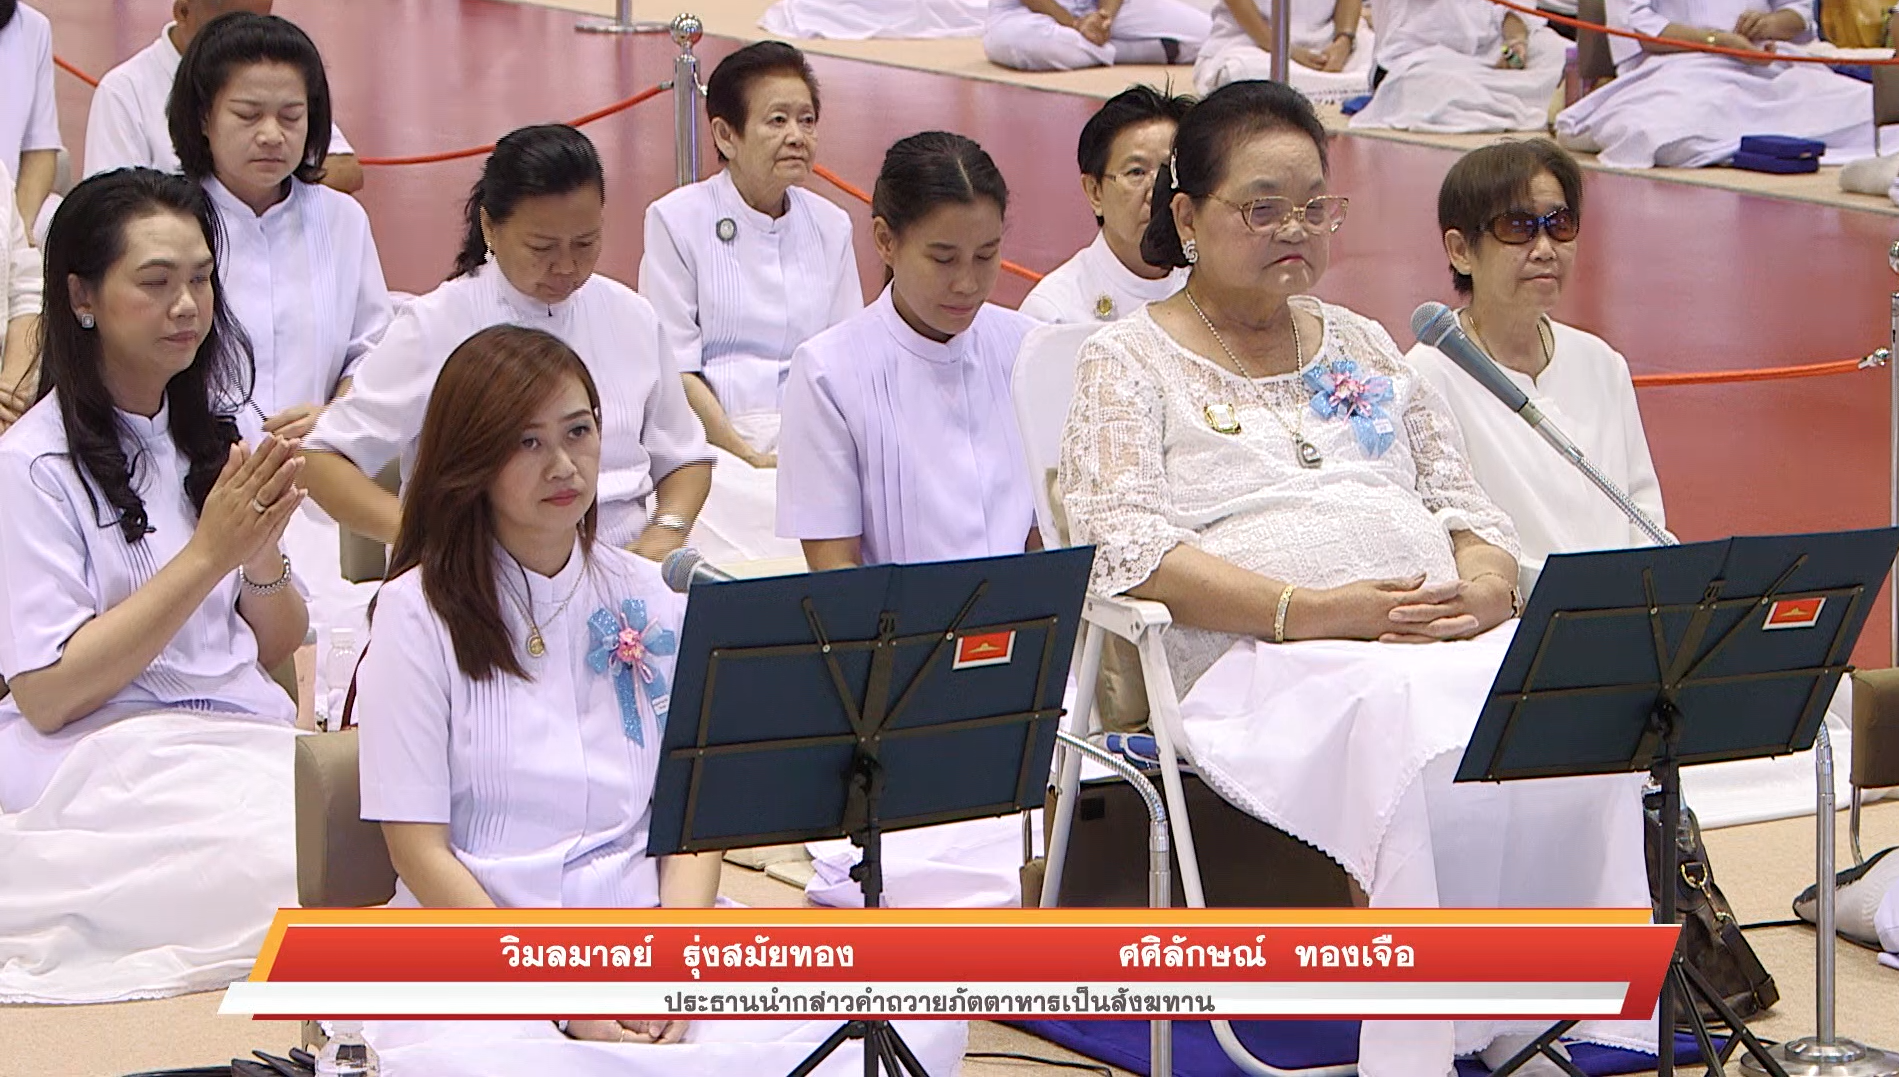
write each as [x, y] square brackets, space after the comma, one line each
[736, 291]
[165, 815]
[20, 273]
[1691, 109]
[1586, 392]
[545, 783]
[1440, 59]
[1095, 286]
[127, 124]
[906, 442]
[1347, 745]
[304, 280]
[28, 118]
[858, 20]
[646, 432]
[1143, 32]
[1231, 55]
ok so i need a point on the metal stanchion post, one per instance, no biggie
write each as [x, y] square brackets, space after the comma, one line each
[1282, 40]
[1825, 1054]
[687, 92]
[621, 23]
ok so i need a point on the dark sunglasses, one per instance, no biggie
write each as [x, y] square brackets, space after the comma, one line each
[1521, 226]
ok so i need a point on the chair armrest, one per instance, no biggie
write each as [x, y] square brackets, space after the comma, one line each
[1124, 617]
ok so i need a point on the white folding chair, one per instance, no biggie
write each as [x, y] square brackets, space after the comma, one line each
[1042, 386]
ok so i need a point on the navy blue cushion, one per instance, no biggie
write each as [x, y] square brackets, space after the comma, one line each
[1763, 163]
[1782, 146]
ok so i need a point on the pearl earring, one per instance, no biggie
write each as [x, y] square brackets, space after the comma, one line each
[1191, 251]
[86, 321]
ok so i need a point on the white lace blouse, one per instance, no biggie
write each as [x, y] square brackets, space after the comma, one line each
[1144, 467]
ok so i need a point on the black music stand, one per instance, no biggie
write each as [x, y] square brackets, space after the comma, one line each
[853, 702]
[1654, 658]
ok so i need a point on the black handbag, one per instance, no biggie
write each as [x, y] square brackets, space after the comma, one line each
[1711, 937]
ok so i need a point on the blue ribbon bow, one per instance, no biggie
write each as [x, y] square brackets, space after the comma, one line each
[1338, 392]
[622, 647]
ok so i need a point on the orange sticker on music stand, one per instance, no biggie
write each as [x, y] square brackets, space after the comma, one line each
[1794, 614]
[984, 650]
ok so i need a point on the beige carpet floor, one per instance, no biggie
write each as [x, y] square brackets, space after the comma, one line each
[1761, 868]
[963, 57]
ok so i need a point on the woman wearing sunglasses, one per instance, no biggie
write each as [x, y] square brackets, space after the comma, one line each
[1511, 214]
[1270, 468]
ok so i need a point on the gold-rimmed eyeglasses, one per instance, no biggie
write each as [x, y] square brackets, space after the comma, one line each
[1325, 213]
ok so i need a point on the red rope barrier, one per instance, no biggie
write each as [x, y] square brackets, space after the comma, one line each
[1689, 46]
[75, 72]
[1799, 371]
[476, 151]
[860, 195]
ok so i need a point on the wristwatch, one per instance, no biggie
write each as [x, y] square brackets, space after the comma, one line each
[671, 523]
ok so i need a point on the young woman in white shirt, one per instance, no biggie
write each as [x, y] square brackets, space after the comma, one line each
[250, 118]
[535, 220]
[145, 755]
[1511, 215]
[512, 704]
[900, 441]
[741, 269]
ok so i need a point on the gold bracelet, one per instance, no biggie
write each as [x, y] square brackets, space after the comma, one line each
[1279, 617]
[1516, 591]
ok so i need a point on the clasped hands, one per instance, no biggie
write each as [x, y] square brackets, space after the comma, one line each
[627, 1031]
[1399, 611]
[1096, 26]
[250, 503]
[1331, 58]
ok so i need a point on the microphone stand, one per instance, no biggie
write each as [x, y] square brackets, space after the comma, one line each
[1555, 437]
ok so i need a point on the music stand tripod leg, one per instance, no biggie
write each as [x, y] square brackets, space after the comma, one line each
[1545, 1045]
[846, 1030]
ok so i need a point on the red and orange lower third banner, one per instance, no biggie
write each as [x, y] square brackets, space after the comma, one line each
[958, 964]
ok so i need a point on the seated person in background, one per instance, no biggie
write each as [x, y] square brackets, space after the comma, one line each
[1269, 467]
[1331, 47]
[1062, 35]
[29, 119]
[1121, 148]
[741, 269]
[19, 311]
[514, 694]
[1510, 215]
[1462, 65]
[1673, 107]
[900, 442]
[142, 598]
[533, 234]
[128, 124]
[250, 118]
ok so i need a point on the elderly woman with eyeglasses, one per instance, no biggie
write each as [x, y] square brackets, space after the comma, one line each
[1511, 214]
[1270, 468]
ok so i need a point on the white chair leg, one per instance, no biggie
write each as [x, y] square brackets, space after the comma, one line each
[1163, 719]
[1068, 787]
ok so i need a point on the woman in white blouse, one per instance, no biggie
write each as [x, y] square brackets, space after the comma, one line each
[513, 700]
[144, 752]
[535, 220]
[1269, 467]
[1510, 215]
[900, 442]
[742, 269]
[19, 311]
[250, 117]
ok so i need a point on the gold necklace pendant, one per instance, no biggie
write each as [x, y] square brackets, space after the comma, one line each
[1223, 417]
[1309, 456]
[536, 646]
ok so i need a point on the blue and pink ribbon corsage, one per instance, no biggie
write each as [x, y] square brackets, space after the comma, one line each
[1339, 392]
[623, 645]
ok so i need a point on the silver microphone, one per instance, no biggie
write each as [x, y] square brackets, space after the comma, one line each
[685, 568]
[1436, 325]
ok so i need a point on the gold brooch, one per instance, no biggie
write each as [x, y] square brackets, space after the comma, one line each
[1223, 418]
[1104, 307]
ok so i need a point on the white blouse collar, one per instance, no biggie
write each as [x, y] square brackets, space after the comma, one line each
[1127, 280]
[732, 204]
[223, 197]
[521, 304]
[149, 429]
[547, 592]
[937, 352]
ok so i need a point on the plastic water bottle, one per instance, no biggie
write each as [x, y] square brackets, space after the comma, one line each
[339, 667]
[346, 1054]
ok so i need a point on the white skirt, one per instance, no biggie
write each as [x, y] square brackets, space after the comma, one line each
[1226, 60]
[856, 20]
[174, 835]
[1439, 90]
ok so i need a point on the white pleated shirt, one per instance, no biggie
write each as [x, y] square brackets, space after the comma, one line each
[647, 429]
[737, 290]
[28, 118]
[64, 561]
[127, 126]
[305, 281]
[907, 442]
[1094, 287]
[545, 783]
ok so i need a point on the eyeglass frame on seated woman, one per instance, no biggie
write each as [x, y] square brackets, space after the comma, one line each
[1331, 220]
[1546, 223]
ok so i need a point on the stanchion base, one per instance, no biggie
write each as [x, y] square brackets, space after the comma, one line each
[609, 26]
[1841, 1057]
